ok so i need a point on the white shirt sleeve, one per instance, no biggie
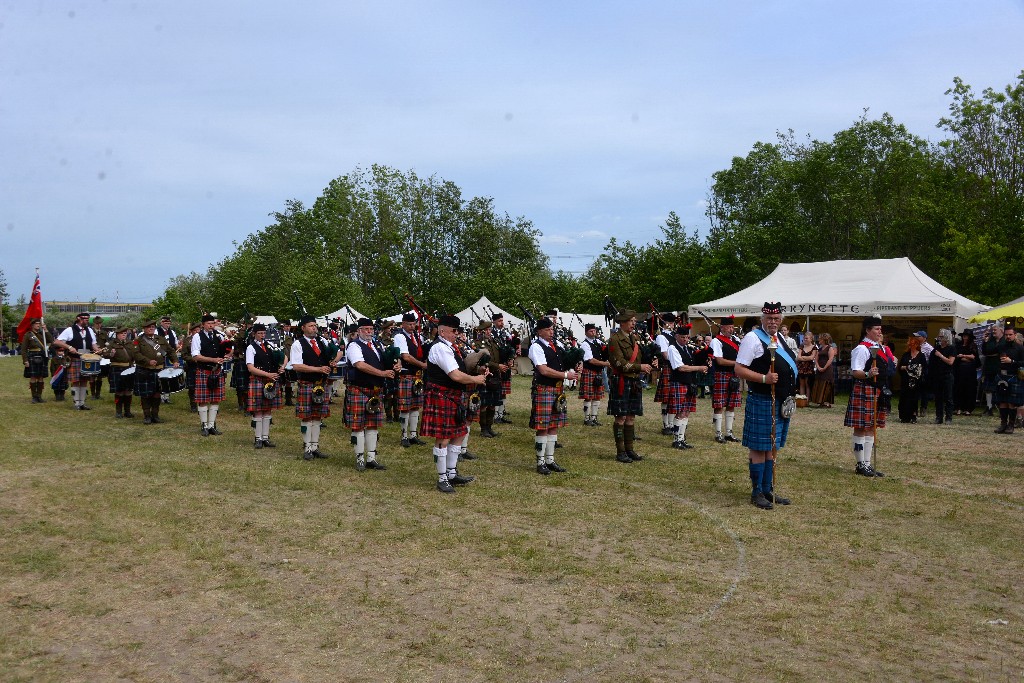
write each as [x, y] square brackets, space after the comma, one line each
[537, 356]
[441, 355]
[716, 347]
[66, 336]
[750, 348]
[674, 359]
[250, 355]
[400, 343]
[588, 352]
[295, 355]
[196, 343]
[354, 354]
[859, 357]
[663, 345]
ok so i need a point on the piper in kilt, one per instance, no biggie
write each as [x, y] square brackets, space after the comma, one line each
[414, 361]
[768, 365]
[595, 360]
[121, 354]
[504, 337]
[864, 413]
[76, 340]
[548, 410]
[443, 416]
[725, 393]
[209, 356]
[264, 361]
[682, 398]
[663, 341]
[363, 393]
[239, 372]
[190, 366]
[626, 399]
[33, 356]
[491, 393]
[312, 363]
[151, 353]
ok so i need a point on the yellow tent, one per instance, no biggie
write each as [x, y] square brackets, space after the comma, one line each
[1008, 311]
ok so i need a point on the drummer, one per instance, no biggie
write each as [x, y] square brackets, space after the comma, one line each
[120, 351]
[265, 363]
[77, 340]
[150, 352]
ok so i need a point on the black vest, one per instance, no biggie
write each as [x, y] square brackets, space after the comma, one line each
[262, 359]
[435, 375]
[82, 342]
[416, 350]
[312, 359]
[372, 357]
[598, 352]
[553, 359]
[209, 346]
[728, 352]
[678, 376]
[172, 338]
[786, 385]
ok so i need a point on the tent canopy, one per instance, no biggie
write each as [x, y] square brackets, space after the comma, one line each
[846, 289]
[346, 313]
[1014, 309]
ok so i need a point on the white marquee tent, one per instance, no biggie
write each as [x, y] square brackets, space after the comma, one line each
[848, 289]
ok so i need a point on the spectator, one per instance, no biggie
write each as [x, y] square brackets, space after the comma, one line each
[940, 370]
[965, 374]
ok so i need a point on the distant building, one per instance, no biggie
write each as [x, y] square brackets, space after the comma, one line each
[96, 307]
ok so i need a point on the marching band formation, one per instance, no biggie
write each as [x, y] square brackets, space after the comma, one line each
[436, 377]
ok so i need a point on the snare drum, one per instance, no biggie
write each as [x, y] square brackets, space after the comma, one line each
[337, 373]
[90, 365]
[172, 380]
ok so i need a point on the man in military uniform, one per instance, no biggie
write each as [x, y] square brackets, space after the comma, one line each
[312, 363]
[167, 332]
[626, 400]
[151, 353]
[413, 354]
[96, 382]
[33, 356]
[121, 353]
[768, 364]
[503, 336]
[209, 356]
[491, 393]
[725, 395]
[77, 340]
[868, 367]
[595, 360]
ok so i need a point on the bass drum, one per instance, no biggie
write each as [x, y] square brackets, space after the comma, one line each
[172, 380]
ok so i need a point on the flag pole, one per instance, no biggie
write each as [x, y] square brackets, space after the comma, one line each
[42, 316]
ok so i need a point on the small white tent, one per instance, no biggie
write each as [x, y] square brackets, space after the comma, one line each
[848, 289]
[482, 308]
[346, 313]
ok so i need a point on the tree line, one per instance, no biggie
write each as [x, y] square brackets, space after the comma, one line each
[875, 190]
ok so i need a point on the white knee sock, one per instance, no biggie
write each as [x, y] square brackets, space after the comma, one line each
[549, 450]
[307, 434]
[869, 446]
[540, 443]
[213, 413]
[414, 423]
[360, 444]
[314, 435]
[680, 424]
[266, 427]
[730, 415]
[257, 427]
[858, 449]
[452, 459]
[441, 462]
[371, 445]
[717, 419]
[204, 415]
[404, 417]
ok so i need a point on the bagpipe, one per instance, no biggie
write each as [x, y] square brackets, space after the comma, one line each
[476, 364]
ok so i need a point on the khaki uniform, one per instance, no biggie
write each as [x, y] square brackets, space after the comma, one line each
[620, 349]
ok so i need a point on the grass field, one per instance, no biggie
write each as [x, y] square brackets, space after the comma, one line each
[134, 553]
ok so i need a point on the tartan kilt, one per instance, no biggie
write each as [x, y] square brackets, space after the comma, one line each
[861, 408]
[305, 409]
[720, 395]
[661, 393]
[542, 412]
[1015, 396]
[627, 401]
[506, 383]
[240, 375]
[36, 366]
[73, 372]
[190, 375]
[441, 408]
[406, 401]
[591, 385]
[203, 392]
[255, 402]
[115, 379]
[757, 423]
[147, 382]
[490, 395]
[680, 398]
[357, 417]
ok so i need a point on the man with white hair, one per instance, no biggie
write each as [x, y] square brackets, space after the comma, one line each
[868, 365]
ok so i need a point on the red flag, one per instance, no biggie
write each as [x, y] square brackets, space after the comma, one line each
[34, 310]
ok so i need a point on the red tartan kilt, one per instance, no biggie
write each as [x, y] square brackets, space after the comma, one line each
[357, 417]
[506, 383]
[860, 410]
[680, 399]
[720, 393]
[661, 393]
[203, 392]
[305, 409]
[440, 413]
[74, 373]
[542, 413]
[406, 401]
[471, 416]
[591, 385]
[255, 402]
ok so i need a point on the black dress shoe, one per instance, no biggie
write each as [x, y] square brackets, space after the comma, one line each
[622, 457]
[204, 431]
[84, 407]
[555, 467]
[543, 469]
[214, 431]
[730, 437]
[778, 500]
[489, 433]
[467, 456]
[257, 444]
[267, 443]
[758, 499]
[719, 438]
[418, 441]
[459, 480]
[308, 455]
[558, 445]
[444, 487]
[374, 465]
[157, 420]
[634, 456]
[595, 423]
[504, 420]
[360, 464]
[687, 445]
[148, 420]
[668, 431]
[405, 443]
[320, 454]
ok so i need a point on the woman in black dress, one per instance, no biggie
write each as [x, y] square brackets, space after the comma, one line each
[913, 369]
[965, 374]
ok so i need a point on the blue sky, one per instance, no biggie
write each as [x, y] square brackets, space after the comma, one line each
[141, 138]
